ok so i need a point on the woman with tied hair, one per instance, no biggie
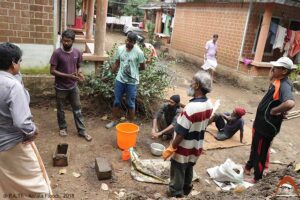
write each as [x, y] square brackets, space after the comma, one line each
[22, 173]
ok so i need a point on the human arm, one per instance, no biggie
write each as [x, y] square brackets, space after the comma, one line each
[286, 97]
[55, 72]
[116, 66]
[142, 66]
[283, 107]
[173, 146]
[157, 134]
[206, 50]
[154, 125]
[182, 128]
[141, 60]
[20, 112]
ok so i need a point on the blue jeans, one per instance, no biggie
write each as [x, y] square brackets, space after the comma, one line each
[123, 88]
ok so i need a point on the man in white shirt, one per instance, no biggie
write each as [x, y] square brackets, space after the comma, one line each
[210, 56]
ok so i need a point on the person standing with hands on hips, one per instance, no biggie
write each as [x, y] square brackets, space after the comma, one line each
[269, 115]
[187, 144]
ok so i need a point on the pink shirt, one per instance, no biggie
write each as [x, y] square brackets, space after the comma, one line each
[211, 48]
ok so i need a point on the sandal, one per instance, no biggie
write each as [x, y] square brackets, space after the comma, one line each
[63, 132]
[87, 137]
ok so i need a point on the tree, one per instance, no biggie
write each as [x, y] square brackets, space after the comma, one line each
[131, 8]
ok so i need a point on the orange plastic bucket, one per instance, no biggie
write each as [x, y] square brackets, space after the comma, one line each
[125, 154]
[126, 135]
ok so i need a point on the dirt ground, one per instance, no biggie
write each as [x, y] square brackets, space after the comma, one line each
[83, 154]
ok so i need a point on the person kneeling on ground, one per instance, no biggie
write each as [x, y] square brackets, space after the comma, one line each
[165, 119]
[228, 124]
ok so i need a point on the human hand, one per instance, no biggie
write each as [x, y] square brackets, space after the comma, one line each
[81, 76]
[156, 134]
[28, 140]
[168, 152]
[74, 77]
[272, 112]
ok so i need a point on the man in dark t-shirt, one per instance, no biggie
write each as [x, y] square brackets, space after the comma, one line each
[269, 115]
[66, 69]
[228, 124]
[165, 119]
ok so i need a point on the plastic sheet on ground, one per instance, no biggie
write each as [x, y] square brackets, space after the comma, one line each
[151, 170]
[226, 177]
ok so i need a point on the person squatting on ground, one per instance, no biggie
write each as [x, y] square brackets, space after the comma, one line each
[186, 147]
[165, 119]
[65, 66]
[22, 172]
[210, 56]
[228, 124]
[129, 61]
[269, 115]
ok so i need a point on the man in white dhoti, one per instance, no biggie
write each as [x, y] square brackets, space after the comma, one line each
[210, 56]
[22, 173]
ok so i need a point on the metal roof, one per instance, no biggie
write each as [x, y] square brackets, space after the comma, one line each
[157, 5]
[295, 3]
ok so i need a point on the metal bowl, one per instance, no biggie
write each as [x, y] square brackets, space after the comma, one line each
[157, 149]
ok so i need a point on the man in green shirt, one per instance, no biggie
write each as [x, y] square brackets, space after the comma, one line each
[129, 60]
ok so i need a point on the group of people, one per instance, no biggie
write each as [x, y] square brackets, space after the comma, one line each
[22, 170]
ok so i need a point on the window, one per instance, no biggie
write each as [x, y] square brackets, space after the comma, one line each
[295, 25]
[269, 45]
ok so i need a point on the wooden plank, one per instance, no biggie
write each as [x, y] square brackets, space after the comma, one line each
[90, 47]
[92, 57]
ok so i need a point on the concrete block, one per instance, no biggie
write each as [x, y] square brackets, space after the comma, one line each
[61, 155]
[103, 168]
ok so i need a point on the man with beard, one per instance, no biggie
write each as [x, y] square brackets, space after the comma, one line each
[187, 145]
[129, 61]
[165, 119]
[65, 66]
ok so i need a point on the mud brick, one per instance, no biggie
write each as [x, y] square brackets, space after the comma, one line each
[61, 155]
[103, 168]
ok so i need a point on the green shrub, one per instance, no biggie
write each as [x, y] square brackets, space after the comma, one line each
[153, 82]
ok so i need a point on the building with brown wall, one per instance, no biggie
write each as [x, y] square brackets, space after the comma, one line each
[238, 24]
[35, 26]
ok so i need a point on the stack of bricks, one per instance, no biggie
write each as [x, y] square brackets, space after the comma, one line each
[26, 21]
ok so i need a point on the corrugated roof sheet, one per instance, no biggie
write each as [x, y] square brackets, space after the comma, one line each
[295, 3]
[157, 5]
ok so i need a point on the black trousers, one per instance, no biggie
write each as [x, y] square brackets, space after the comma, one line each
[258, 155]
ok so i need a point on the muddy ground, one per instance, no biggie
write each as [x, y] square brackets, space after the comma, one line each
[83, 154]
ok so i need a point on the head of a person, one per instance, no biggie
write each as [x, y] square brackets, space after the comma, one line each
[215, 37]
[141, 40]
[201, 84]
[174, 100]
[131, 40]
[238, 112]
[10, 58]
[281, 68]
[67, 39]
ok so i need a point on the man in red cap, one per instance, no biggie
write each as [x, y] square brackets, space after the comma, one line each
[228, 124]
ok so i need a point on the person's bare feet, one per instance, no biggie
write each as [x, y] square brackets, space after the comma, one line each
[247, 171]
